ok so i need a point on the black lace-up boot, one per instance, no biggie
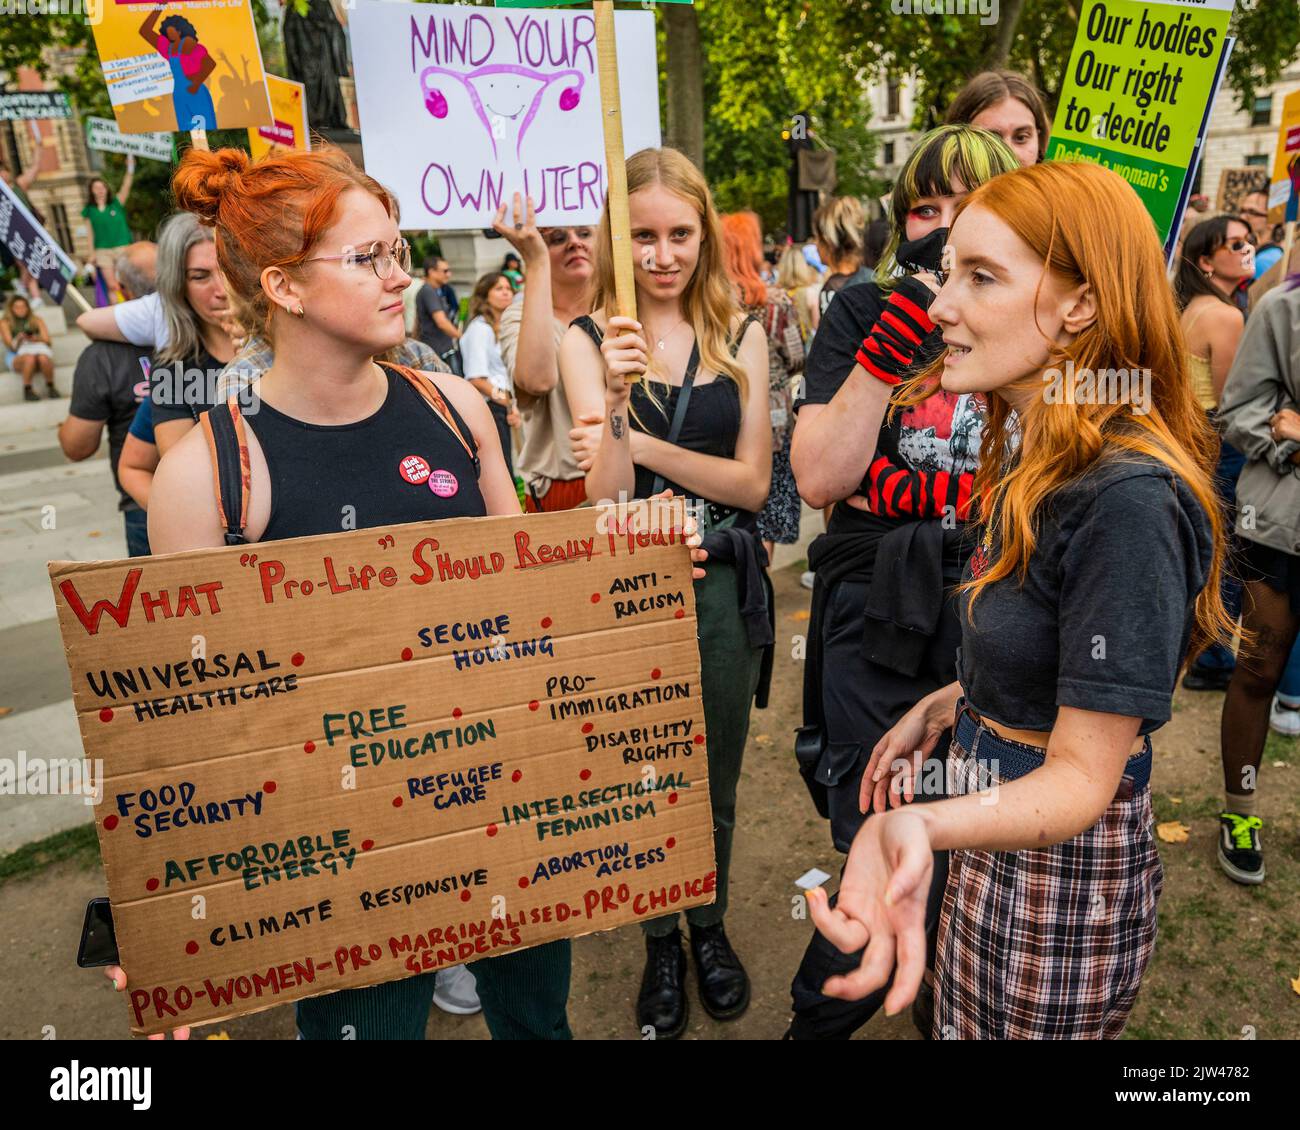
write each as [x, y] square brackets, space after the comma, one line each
[724, 984]
[662, 1002]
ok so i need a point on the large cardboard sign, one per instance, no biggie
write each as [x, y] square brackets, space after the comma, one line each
[1235, 184]
[461, 107]
[289, 128]
[333, 761]
[1141, 78]
[182, 65]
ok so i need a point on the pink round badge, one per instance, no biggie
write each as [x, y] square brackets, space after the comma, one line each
[443, 484]
[414, 469]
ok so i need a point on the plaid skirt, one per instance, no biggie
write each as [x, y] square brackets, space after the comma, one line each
[1051, 943]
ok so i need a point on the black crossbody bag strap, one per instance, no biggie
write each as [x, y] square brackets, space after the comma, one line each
[679, 416]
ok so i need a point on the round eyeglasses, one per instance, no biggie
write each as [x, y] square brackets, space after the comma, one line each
[381, 257]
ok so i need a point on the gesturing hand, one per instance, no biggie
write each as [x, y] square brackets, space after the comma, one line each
[897, 758]
[881, 906]
[522, 232]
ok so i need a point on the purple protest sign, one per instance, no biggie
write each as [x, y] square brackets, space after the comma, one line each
[462, 107]
[32, 245]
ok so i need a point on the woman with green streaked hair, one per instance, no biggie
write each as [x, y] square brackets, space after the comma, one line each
[884, 621]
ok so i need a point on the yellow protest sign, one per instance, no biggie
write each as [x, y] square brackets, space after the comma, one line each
[288, 129]
[183, 65]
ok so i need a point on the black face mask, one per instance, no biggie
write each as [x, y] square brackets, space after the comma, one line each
[924, 254]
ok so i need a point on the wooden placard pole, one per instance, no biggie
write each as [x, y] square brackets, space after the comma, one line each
[199, 139]
[611, 113]
[78, 298]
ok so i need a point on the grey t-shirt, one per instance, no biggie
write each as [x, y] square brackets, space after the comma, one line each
[1104, 616]
[428, 302]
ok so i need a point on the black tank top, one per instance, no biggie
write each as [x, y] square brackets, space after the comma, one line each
[403, 464]
[711, 425]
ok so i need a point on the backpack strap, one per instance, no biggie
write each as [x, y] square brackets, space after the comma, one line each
[434, 399]
[232, 476]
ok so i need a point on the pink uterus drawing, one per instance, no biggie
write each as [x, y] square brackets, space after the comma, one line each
[500, 92]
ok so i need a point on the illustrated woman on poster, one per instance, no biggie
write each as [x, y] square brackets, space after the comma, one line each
[178, 43]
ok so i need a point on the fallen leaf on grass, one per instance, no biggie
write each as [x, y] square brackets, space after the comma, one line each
[222, 1035]
[6, 710]
[1173, 832]
[802, 614]
[1175, 800]
[93, 534]
[1295, 984]
[763, 739]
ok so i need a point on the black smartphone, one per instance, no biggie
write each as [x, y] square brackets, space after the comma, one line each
[98, 942]
[491, 233]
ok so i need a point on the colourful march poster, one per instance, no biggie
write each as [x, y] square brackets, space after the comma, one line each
[288, 130]
[461, 107]
[1284, 189]
[1137, 94]
[187, 64]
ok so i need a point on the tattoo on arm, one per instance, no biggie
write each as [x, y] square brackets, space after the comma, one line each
[616, 425]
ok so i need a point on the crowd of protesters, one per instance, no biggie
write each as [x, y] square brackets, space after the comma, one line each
[1009, 586]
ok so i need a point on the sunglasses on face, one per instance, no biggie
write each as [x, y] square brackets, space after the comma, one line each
[381, 257]
[1238, 245]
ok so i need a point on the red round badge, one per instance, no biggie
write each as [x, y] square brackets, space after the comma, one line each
[443, 484]
[414, 469]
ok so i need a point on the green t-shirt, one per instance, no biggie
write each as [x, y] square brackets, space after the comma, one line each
[109, 224]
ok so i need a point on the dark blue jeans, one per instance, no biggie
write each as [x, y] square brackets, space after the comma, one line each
[137, 533]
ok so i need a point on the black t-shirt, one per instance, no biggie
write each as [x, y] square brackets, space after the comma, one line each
[428, 302]
[184, 390]
[835, 284]
[835, 346]
[1104, 617]
[108, 384]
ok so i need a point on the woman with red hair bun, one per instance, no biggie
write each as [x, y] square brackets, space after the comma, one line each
[1096, 574]
[742, 236]
[311, 251]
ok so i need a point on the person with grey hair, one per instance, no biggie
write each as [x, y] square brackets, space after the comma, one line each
[198, 337]
[108, 385]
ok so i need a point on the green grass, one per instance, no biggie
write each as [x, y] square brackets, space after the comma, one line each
[79, 844]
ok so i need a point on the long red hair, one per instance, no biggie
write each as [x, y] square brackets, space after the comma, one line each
[267, 213]
[742, 239]
[1088, 226]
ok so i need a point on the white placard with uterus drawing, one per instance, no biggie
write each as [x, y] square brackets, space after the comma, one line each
[462, 107]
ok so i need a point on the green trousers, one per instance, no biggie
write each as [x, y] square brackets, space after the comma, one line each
[525, 996]
[729, 670]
